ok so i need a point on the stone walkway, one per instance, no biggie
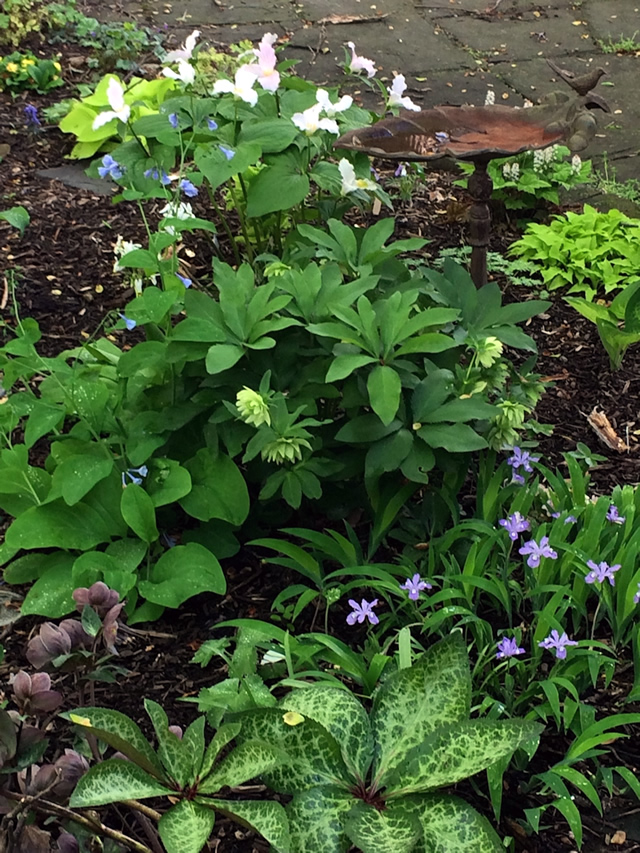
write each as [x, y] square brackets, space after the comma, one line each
[451, 51]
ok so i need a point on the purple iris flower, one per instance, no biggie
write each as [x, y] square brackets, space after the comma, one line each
[173, 120]
[158, 175]
[508, 648]
[521, 459]
[131, 474]
[211, 124]
[636, 597]
[614, 515]
[570, 519]
[362, 611]
[557, 642]
[188, 188]
[31, 117]
[401, 171]
[514, 524]
[186, 281]
[129, 323]
[414, 586]
[536, 552]
[228, 153]
[110, 168]
[601, 572]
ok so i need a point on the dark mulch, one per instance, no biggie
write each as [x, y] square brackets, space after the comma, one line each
[64, 277]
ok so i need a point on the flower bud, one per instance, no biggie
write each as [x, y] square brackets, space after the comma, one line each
[50, 643]
[98, 596]
[33, 694]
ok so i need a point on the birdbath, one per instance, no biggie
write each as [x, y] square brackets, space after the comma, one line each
[478, 135]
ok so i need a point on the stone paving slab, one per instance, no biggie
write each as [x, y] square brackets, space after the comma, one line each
[608, 20]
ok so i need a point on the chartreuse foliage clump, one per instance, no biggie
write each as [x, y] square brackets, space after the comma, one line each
[183, 768]
[372, 779]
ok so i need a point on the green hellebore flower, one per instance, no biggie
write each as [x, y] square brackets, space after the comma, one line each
[489, 351]
[253, 407]
[284, 450]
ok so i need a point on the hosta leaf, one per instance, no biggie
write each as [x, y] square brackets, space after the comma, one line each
[186, 827]
[316, 820]
[415, 702]
[373, 831]
[314, 756]
[451, 826]
[343, 716]
[266, 817]
[114, 780]
[247, 761]
[457, 751]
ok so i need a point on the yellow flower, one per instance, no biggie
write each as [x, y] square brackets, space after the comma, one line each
[12, 67]
[57, 66]
[28, 62]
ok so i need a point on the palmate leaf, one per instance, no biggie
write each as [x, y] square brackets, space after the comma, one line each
[458, 750]
[186, 827]
[373, 831]
[450, 825]
[343, 716]
[415, 702]
[316, 820]
[266, 817]
[115, 780]
[246, 761]
[314, 755]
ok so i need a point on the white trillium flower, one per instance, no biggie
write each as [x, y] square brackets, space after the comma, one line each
[242, 87]
[309, 121]
[186, 73]
[322, 97]
[186, 51]
[119, 110]
[265, 67]
[350, 183]
[395, 95]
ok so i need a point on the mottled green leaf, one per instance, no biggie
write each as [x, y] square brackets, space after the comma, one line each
[374, 831]
[458, 750]
[451, 826]
[186, 827]
[343, 716]
[115, 780]
[176, 756]
[222, 737]
[316, 820]
[248, 760]
[414, 702]
[266, 817]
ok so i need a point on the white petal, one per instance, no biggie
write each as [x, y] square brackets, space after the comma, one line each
[190, 43]
[322, 97]
[115, 94]
[398, 86]
[245, 77]
[330, 125]
[103, 118]
[221, 86]
[343, 104]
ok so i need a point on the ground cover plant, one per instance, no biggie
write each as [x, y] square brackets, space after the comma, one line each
[321, 398]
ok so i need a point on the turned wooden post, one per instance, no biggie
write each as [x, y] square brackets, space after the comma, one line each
[480, 188]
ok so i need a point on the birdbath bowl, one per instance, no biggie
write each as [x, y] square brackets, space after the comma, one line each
[478, 135]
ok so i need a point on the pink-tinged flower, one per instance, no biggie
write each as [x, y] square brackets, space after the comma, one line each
[514, 525]
[309, 121]
[186, 51]
[68, 843]
[71, 767]
[265, 68]
[329, 109]
[242, 87]
[508, 648]
[98, 596]
[360, 63]
[396, 99]
[177, 731]
[415, 586]
[50, 643]
[601, 572]
[33, 694]
[110, 628]
[186, 73]
[362, 611]
[614, 516]
[536, 552]
[557, 642]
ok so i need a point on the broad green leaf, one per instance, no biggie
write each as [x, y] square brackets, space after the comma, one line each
[215, 166]
[343, 716]
[272, 135]
[413, 703]
[222, 356]
[186, 827]
[115, 780]
[429, 342]
[78, 473]
[277, 187]
[450, 825]
[139, 512]
[176, 757]
[460, 410]
[56, 525]
[384, 387]
[456, 438]
[182, 572]
[16, 216]
[266, 817]
[374, 831]
[344, 365]
[314, 755]
[316, 820]
[43, 417]
[247, 761]
[219, 489]
[50, 595]
[458, 750]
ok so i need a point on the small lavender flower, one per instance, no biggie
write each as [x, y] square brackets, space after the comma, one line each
[508, 648]
[186, 281]
[189, 189]
[636, 597]
[514, 524]
[401, 171]
[614, 516]
[31, 117]
[536, 552]
[557, 642]
[601, 572]
[173, 120]
[110, 168]
[414, 586]
[521, 459]
[129, 323]
[158, 175]
[362, 611]
[228, 153]
[570, 519]
[211, 124]
[131, 474]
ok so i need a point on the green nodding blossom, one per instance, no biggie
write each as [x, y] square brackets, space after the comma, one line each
[253, 408]
[488, 350]
[284, 450]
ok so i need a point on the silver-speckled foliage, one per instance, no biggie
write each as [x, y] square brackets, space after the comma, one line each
[316, 820]
[414, 702]
[344, 717]
[267, 817]
[374, 831]
[187, 826]
[450, 825]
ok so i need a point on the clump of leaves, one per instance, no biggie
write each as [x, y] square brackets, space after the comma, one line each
[618, 323]
[373, 779]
